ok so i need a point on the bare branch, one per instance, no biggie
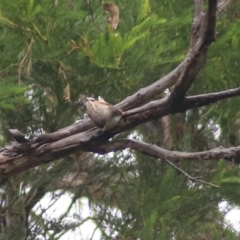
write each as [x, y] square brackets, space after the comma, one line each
[223, 5]
[205, 99]
[146, 94]
[197, 21]
[229, 154]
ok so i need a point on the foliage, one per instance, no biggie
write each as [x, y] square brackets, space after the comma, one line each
[51, 52]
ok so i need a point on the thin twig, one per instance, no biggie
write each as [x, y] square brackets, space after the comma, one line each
[194, 179]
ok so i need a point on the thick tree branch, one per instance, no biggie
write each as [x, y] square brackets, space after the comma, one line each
[205, 99]
[197, 21]
[198, 55]
[152, 150]
[188, 103]
[28, 155]
[150, 92]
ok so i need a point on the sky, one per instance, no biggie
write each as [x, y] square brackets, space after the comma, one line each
[85, 231]
[59, 207]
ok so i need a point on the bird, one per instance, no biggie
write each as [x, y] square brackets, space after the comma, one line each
[103, 114]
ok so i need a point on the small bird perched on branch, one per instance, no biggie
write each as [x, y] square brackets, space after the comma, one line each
[113, 11]
[103, 114]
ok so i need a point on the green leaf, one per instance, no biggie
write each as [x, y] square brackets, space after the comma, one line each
[235, 42]
[144, 8]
